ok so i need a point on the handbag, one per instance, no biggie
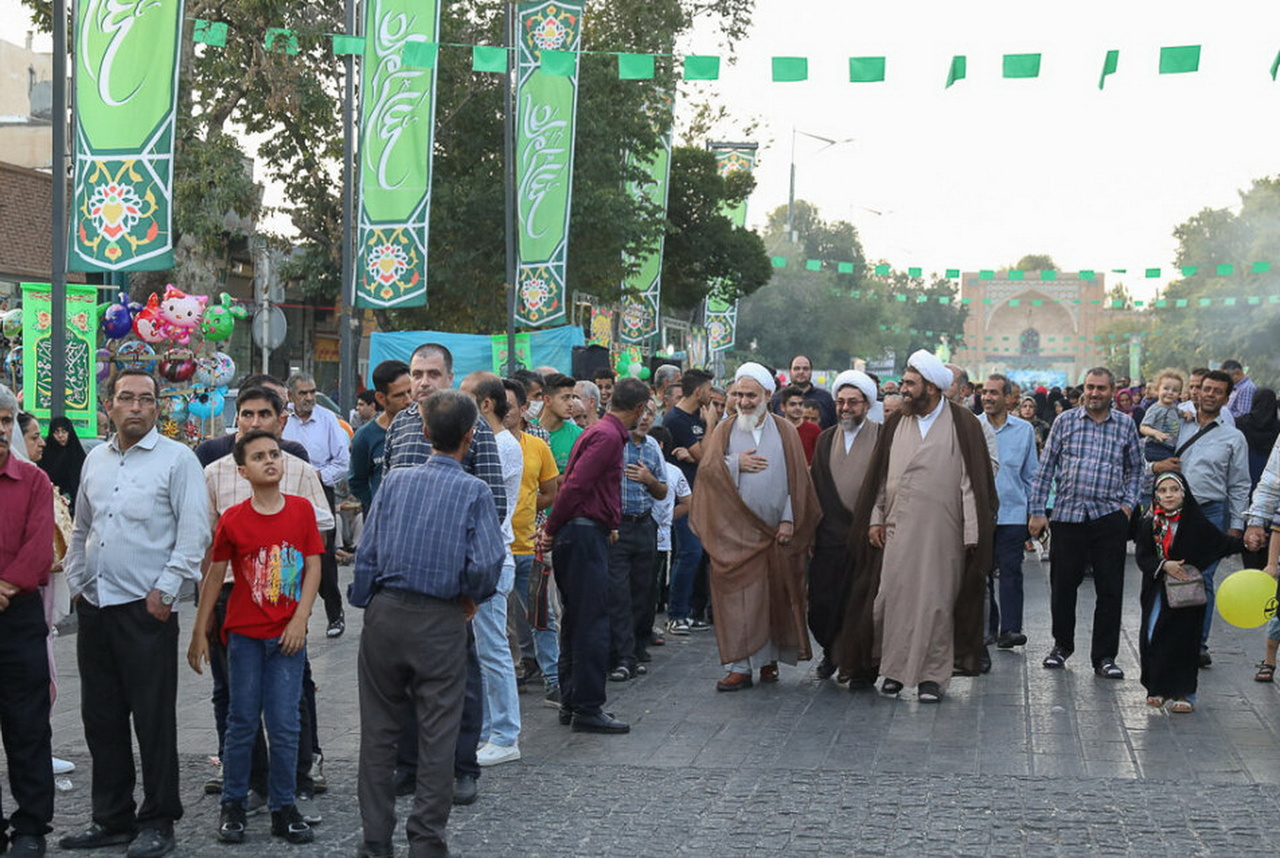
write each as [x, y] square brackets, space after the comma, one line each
[539, 593]
[1188, 593]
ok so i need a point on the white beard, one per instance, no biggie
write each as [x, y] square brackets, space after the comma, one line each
[747, 421]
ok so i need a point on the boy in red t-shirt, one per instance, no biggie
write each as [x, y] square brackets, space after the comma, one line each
[793, 406]
[274, 548]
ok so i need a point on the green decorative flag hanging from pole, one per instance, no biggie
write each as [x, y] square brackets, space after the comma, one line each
[546, 116]
[37, 355]
[126, 89]
[397, 119]
[641, 300]
[721, 313]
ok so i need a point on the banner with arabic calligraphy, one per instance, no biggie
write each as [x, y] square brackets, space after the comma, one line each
[546, 116]
[126, 90]
[641, 298]
[721, 314]
[37, 353]
[397, 120]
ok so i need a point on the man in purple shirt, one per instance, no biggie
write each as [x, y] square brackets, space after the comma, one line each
[583, 523]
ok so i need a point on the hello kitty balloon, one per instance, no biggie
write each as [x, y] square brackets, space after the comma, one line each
[180, 314]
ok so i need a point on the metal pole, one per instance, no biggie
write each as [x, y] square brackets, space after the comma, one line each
[509, 171]
[348, 344]
[58, 248]
[791, 194]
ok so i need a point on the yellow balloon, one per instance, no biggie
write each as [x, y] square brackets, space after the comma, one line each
[1246, 599]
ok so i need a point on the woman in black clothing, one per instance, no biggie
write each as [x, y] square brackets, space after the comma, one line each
[63, 458]
[1174, 535]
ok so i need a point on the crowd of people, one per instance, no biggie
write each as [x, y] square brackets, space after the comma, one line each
[524, 532]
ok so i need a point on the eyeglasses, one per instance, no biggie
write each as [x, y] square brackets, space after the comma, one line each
[127, 399]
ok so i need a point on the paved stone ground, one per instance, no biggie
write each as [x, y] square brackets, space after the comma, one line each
[1022, 761]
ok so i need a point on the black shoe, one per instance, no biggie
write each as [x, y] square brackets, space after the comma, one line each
[406, 782]
[231, 822]
[27, 845]
[1056, 659]
[375, 850]
[1009, 640]
[566, 717]
[1206, 660]
[465, 790]
[642, 656]
[96, 837]
[152, 843]
[289, 824]
[825, 669]
[602, 723]
[336, 628]
[621, 673]
[1108, 669]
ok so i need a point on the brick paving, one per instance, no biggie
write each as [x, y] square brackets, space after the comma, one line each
[1022, 761]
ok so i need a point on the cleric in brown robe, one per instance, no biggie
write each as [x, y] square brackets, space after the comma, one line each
[921, 543]
[839, 466]
[755, 511]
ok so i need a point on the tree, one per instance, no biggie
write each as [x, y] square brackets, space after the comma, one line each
[1036, 262]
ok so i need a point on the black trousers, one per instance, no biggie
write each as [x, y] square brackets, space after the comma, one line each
[129, 677]
[464, 752]
[329, 591]
[24, 715]
[1100, 542]
[631, 590]
[581, 562]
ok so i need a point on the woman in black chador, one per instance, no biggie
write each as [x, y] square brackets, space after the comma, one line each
[1174, 535]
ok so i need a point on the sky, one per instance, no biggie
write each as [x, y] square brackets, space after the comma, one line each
[978, 175]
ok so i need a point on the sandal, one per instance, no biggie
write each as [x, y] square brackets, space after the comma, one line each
[1182, 707]
[1155, 700]
[890, 687]
[1266, 672]
[621, 673]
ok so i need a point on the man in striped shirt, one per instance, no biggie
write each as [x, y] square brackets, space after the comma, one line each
[1093, 456]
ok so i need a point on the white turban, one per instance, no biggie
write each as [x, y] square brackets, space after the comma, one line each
[932, 369]
[858, 379]
[758, 373]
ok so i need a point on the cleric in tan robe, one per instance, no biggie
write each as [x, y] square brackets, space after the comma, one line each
[755, 511]
[840, 462]
[921, 539]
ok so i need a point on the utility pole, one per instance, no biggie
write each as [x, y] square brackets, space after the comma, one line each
[509, 182]
[348, 342]
[58, 222]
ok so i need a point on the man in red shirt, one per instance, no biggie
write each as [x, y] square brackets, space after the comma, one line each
[26, 555]
[793, 399]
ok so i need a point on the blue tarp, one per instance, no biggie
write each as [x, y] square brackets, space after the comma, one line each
[552, 347]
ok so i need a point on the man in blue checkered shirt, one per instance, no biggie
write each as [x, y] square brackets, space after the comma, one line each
[1093, 456]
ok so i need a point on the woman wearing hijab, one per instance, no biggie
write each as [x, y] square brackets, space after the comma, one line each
[63, 458]
[1027, 411]
[1172, 538]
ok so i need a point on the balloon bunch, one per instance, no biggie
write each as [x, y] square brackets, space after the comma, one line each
[630, 363]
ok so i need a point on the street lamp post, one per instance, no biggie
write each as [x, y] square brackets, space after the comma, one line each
[791, 195]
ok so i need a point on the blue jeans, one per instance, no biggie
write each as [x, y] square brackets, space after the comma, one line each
[501, 724]
[684, 566]
[1216, 512]
[546, 642]
[266, 685]
[1008, 549]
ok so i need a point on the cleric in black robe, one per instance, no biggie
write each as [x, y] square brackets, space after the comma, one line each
[1169, 646]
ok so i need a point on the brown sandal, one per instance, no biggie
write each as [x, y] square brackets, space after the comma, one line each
[1266, 672]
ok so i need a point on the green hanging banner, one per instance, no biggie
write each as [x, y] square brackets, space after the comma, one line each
[81, 402]
[721, 314]
[641, 302]
[397, 120]
[546, 116]
[126, 89]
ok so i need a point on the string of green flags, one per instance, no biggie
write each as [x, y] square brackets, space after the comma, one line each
[1077, 342]
[1176, 59]
[1106, 304]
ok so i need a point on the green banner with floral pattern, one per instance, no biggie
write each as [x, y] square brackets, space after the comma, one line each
[642, 298]
[126, 90]
[722, 314]
[81, 404]
[397, 120]
[546, 116]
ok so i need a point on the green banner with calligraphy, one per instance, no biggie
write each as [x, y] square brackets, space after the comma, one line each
[37, 353]
[126, 90]
[642, 298]
[546, 116]
[721, 313]
[397, 120]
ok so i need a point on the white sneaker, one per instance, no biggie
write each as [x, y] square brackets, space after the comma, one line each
[63, 767]
[492, 755]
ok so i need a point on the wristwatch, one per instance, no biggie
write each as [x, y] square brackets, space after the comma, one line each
[167, 598]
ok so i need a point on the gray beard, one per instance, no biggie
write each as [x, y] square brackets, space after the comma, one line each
[848, 424]
[749, 422]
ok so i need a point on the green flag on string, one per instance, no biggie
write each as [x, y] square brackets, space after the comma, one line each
[1021, 65]
[844, 268]
[986, 274]
[866, 69]
[779, 261]
[212, 33]
[813, 265]
[1275, 66]
[953, 273]
[347, 46]
[635, 66]
[281, 39]
[915, 272]
[1226, 270]
[701, 68]
[882, 270]
[1180, 60]
[1017, 275]
[421, 55]
[1190, 270]
[1153, 273]
[1088, 275]
[559, 63]
[958, 70]
[1109, 67]
[790, 69]
[489, 59]
[1048, 274]
[1261, 267]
